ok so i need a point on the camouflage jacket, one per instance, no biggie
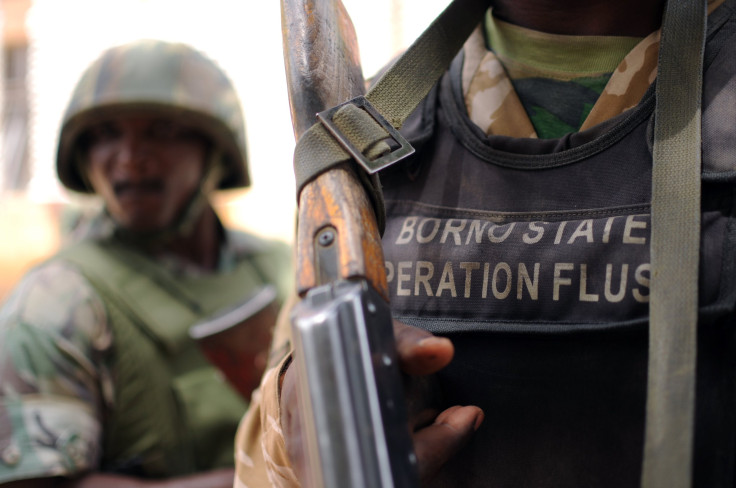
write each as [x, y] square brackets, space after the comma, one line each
[57, 386]
[494, 107]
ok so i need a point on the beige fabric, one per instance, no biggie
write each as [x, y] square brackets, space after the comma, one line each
[260, 452]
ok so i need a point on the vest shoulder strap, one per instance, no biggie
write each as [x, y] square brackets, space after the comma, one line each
[160, 304]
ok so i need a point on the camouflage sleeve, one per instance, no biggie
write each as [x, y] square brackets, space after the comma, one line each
[260, 452]
[53, 336]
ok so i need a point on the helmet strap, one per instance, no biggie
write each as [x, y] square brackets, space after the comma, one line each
[79, 161]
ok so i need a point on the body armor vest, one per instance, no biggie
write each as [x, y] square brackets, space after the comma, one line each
[533, 256]
[172, 412]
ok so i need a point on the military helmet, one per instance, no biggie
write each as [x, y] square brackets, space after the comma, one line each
[172, 79]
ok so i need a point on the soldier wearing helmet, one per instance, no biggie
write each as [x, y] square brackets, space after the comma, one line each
[101, 376]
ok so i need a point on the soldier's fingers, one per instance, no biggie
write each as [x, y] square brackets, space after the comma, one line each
[420, 352]
[438, 442]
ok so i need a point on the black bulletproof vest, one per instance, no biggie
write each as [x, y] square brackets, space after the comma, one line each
[533, 256]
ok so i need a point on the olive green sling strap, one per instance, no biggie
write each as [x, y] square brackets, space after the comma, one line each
[673, 306]
[357, 130]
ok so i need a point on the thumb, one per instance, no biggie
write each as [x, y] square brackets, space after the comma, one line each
[436, 443]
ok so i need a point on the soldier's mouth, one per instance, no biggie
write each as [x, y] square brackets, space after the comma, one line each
[138, 189]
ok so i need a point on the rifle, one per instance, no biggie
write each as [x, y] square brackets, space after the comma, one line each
[350, 388]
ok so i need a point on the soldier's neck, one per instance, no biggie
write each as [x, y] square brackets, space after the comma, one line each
[633, 18]
[201, 246]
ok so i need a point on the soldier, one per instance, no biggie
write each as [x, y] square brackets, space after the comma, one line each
[100, 382]
[519, 234]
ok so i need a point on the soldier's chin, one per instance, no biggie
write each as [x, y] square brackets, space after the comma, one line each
[143, 224]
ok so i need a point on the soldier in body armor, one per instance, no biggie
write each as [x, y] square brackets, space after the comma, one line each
[517, 251]
[100, 381]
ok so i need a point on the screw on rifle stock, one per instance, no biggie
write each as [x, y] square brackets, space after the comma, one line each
[326, 255]
[326, 237]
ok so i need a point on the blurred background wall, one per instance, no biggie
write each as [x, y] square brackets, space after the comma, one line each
[46, 44]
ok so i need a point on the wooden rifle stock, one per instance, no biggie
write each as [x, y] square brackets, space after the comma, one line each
[351, 398]
[337, 236]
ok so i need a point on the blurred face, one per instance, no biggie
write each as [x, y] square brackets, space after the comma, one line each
[146, 168]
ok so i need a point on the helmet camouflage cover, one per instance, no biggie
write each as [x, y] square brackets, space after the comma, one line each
[170, 79]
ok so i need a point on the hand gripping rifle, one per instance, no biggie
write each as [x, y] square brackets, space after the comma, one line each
[350, 389]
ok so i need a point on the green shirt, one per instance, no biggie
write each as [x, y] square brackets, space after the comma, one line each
[558, 78]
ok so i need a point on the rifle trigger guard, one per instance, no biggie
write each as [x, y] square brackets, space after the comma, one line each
[371, 166]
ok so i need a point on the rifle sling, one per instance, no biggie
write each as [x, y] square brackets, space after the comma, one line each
[676, 188]
[395, 95]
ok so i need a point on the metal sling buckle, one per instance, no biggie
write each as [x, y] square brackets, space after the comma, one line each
[371, 166]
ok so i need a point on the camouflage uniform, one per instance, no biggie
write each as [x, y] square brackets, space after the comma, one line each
[57, 375]
[60, 357]
[495, 109]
